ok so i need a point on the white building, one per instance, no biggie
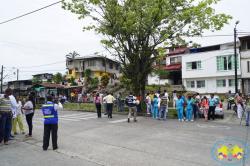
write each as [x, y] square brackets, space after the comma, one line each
[210, 69]
[245, 64]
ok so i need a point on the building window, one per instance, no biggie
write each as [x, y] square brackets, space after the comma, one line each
[91, 63]
[190, 84]
[231, 82]
[70, 71]
[225, 63]
[111, 65]
[248, 66]
[196, 65]
[174, 60]
[200, 84]
[117, 67]
[221, 83]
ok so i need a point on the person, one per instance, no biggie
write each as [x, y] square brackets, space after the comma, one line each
[119, 102]
[98, 105]
[50, 115]
[5, 119]
[184, 107]
[239, 103]
[8, 92]
[212, 105]
[247, 109]
[179, 108]
[230, 100]
[148, 103]
[189, 109]
[151, 95]
[131, 103]
[29, 113]
[166, 93]
[18, 120]
[110, 100]
[205, 107]
[175, 98]
[155, 106]
[163, 107]
[105, 105]
[196, 105]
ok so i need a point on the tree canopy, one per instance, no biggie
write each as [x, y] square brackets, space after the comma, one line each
[136, 30]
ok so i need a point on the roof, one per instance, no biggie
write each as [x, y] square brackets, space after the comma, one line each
[94, 57]
[176, 66]
[43, 74]
[19, 81]
[178, 51]
[51, 85]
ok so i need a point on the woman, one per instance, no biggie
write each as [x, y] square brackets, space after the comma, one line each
[155, 106]
[189, 109]
[239, 102]
[97, 101]
[29, 113]
[18, 120]
[179, 108]
[204, 107]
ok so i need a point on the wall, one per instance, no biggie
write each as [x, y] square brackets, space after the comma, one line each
[154, 80]
[245, 56]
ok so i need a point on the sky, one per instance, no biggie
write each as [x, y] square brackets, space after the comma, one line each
[32, 42]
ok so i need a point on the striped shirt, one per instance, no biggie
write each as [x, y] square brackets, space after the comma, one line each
[5, 105]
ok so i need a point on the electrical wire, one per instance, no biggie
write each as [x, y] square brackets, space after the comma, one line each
[34, 11]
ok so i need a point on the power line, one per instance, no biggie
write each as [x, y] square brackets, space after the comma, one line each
[34, 11]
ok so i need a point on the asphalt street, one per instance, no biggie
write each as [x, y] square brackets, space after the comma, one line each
[86, 140]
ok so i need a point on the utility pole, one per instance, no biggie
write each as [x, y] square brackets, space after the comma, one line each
[235, 57]
[17, 74]
[2, 80]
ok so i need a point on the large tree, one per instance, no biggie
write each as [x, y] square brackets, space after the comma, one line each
[136, 29]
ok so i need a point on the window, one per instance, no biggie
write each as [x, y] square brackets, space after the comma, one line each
[248, 66]
[200, 84]
[221, 83]
[103, 62]
[190, 84]
[225, 63]
[111, 65]
[174, 60]
[69, 62]
[231, 82]
[117, 67]
[70, 71]
[91, 63]
[196, 65]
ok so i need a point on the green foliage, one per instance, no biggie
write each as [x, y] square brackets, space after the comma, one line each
[104, 80]
[94, 82]
[58, 78]
[135, 29]
[72, 81]
[36, 81]
[125, 82]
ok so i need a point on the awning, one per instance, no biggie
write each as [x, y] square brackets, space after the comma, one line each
[173, 67]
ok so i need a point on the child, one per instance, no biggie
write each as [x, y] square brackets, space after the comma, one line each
[189, 109]
[205, 106]
[155, 104]
[179, 108]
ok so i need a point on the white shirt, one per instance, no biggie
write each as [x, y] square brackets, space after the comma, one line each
[28, 108]
[19, 108]
[109, 99]
[13, 105]
[148, 99]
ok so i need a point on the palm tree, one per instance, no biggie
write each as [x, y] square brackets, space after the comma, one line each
[72, 55]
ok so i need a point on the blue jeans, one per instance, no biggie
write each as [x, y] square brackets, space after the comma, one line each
[163, 112]
[155, 113]
[180, 113]
[247, 117]
[5, 126]
[189, 114]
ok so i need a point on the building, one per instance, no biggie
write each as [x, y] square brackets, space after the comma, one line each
[97, 64]
[245, 63]
[44, 77]
[172, 64]
[20, 87]
[210, 69]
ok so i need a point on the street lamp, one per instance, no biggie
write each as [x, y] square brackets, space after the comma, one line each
[235, 57]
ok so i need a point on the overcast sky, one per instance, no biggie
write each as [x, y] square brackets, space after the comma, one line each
[47, 36]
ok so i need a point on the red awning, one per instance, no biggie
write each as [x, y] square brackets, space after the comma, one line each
[173, 67]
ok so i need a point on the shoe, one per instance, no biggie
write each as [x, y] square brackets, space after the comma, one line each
[55, 148]
[135, 120]
[128, 120]
[6, 143]
[28, 136]
[192, 120]
[12, 136]
[45, 149]
[247, 124]
[23, 133]
[179, 120]
[105, 113]
[182, 120]
[15, 133]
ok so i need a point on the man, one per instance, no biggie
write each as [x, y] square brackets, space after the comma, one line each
[230, 100]
[50, 123]
[148, 102]
[109, 100]
[212, 105]
[5, 119]
[131, 102]
[163, 107]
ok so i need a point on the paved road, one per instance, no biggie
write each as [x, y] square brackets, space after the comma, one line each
[86, 140]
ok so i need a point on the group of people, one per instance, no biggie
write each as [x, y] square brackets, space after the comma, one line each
[11, 111]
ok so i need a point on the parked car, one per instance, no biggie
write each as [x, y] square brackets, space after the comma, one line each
[219, 110]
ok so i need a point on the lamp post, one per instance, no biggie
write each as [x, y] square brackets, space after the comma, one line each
[235, 57]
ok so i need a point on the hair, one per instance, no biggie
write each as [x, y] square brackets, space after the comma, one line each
[8, 92]
[189, 97]
[155, 96]
[130, 93]
[174, 91]
[147, 94]
[49, 98]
